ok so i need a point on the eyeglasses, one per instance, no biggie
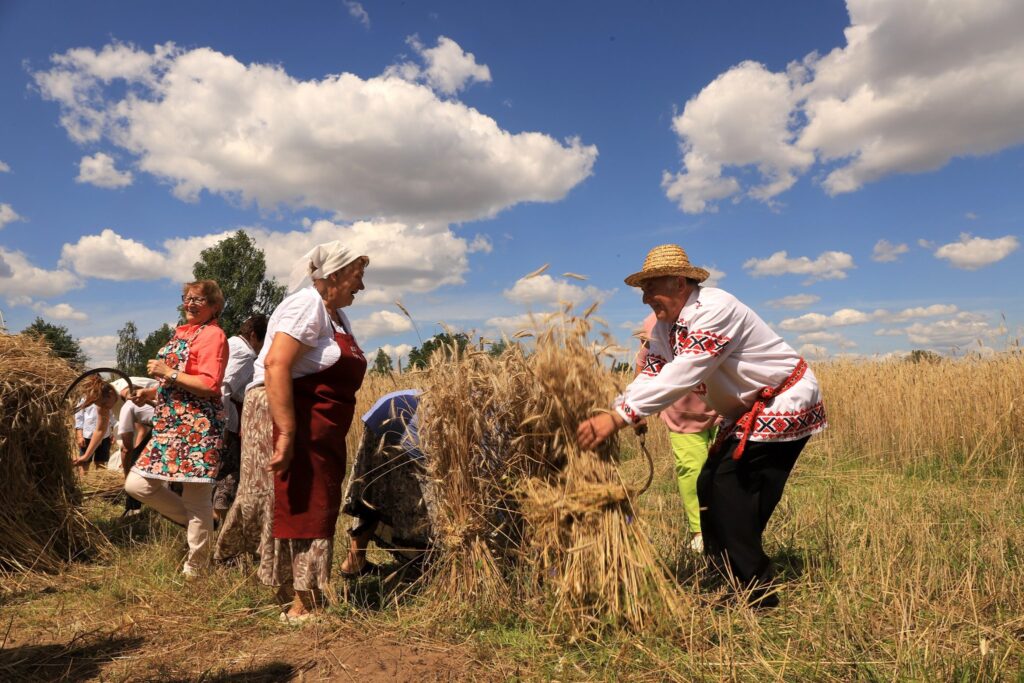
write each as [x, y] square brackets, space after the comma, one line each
[197, 300]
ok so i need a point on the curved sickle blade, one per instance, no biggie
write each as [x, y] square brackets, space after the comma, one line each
[96, 371]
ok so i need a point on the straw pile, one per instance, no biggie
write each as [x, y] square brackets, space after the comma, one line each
[526, 516]
[42, 527]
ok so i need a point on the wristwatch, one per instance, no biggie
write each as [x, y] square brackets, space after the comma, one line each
[174, 377]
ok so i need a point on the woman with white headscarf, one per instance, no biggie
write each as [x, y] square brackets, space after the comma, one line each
[307, 375]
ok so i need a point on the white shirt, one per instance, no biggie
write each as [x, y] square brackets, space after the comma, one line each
[131, 415]
[722, 345]
[87, 419]
[237, 375]
[303, 317]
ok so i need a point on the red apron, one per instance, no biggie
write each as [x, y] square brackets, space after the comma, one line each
[307, 497]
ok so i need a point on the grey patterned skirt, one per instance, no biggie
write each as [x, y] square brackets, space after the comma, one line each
[247, 527]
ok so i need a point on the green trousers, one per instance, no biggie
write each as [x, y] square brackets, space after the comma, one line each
[691, 451]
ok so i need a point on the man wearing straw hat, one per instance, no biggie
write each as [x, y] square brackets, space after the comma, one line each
[764, 391]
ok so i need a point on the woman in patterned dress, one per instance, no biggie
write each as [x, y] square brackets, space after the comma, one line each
[188, 423]
[310, 367]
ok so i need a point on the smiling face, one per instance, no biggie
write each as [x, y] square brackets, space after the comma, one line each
[666, 296]
[341, 287]
[198, 309]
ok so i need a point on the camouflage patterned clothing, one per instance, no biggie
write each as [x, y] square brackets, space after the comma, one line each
[247, 526]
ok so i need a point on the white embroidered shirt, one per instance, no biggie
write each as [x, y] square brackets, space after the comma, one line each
[720, 345]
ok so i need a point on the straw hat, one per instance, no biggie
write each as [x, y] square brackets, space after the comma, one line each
[667, 259]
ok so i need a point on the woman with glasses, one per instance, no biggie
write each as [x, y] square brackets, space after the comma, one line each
[187, 439]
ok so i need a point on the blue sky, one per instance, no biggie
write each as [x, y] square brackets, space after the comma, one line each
[850, 170]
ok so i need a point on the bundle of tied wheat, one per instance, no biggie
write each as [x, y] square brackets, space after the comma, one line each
[584, 532]
[470, 413]
[501, 436]
[42, 525]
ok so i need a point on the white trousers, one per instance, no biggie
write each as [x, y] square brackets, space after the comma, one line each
[193, 509]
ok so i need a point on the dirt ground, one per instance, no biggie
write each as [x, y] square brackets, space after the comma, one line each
[312, 653]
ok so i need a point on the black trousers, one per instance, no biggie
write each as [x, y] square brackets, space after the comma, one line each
[737, 498]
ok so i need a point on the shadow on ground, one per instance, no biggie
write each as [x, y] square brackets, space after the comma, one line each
[81, 659]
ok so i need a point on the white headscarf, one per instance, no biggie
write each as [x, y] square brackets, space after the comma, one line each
[319, 262]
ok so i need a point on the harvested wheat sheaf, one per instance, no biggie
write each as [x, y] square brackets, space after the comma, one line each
[42, 527]
[526, 516]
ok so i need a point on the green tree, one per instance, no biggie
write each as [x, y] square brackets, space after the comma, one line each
[419, 357]
[59, 340]
[154, 342]
[129, 350]
[622, 366]
[239, 267]
[382, 363]
[499, 347]
[924, 356]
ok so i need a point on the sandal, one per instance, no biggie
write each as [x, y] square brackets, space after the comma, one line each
[297, 619]
[367, 568]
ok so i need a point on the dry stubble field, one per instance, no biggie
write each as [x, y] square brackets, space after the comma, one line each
[899, 542]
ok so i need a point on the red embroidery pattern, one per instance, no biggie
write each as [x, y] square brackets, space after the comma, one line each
[785, 425]
[630, 413]
[701, 342]
[652, 365]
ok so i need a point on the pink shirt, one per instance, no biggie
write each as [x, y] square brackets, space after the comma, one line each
[207, 353]
[689, 414]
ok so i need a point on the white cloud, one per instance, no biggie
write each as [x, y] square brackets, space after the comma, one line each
[546, 290]
[830, 265]
[403, 258]
[919, 82]
[795, 301]
[962, 330]
[971, 216]
[358, 13]
[101, 350]
[4, 168]
[813, 351]
[971, 253]
[741, 119]
[925, 244]
[480, 243]
[887, 252]
[20, 281]
[449, 68]
[820, 337]
[380, 324]
[60, 311]
[380, 147]
[715, 276]
[396, 352]
[109, 256]
[8, 215]
[511, 324]
[99, 170]
[810, 322]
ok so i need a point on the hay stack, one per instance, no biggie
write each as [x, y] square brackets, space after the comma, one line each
[501, 435]
[40, 522]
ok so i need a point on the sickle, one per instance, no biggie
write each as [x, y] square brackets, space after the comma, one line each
[135, 452]
[96, 371]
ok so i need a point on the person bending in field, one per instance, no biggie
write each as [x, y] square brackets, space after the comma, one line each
[767, 395]
[691, 426]
[134, 424]
[93, 423]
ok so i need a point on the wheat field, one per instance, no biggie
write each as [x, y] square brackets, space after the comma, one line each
[899, 544]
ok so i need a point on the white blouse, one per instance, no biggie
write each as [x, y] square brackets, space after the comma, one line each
[720, 345]
[303, 317]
